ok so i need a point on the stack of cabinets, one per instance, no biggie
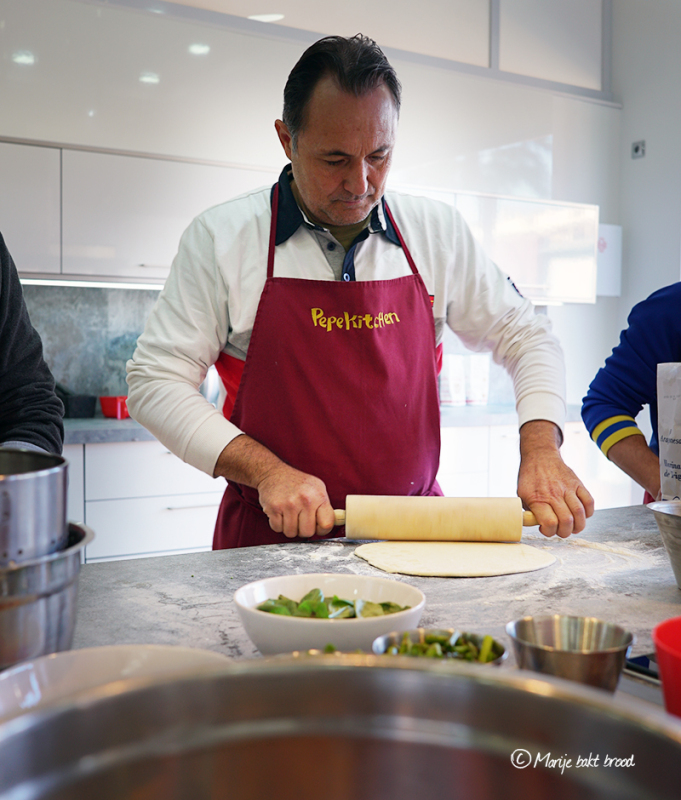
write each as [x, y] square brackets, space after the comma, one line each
[483, 461]
[106, 215]
[140, 500]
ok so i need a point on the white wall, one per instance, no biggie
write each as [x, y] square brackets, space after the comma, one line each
[646, 70]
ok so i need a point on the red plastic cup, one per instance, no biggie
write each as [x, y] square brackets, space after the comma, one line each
[667, 640]
[114, 407]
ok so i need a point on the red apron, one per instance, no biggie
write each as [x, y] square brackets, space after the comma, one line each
[340, 381]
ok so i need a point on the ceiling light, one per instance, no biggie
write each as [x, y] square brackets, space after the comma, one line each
[267, 17]
[149, 77]
[23, 57]
[91, 113]
[199, 49]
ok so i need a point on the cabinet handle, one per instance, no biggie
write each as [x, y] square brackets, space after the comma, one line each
[154, 266]
[182, 508]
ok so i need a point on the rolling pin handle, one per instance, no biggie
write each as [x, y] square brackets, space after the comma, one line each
[339, 514]
[529, 519]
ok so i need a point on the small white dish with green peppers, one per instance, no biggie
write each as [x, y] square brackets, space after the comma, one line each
[274, 633]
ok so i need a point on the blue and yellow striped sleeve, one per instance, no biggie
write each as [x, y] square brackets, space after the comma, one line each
[613, 430]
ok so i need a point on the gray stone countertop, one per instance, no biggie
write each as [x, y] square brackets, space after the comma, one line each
[98, 430]
[616, 570]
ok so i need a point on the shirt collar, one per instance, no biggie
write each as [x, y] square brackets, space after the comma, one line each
[290, 217]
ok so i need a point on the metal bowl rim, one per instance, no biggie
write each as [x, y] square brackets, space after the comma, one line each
[663, 507]
[88, 536]
[18, 476]
[631, 709]
[510, 630]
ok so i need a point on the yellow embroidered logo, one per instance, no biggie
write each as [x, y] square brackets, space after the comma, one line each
[347, 321]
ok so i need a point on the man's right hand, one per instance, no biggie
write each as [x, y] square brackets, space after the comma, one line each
[296, 504]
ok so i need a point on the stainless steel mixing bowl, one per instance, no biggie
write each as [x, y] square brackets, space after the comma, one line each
[582, 649]
[343, 728]
[33, 489]
[668, 517]
[38, 601]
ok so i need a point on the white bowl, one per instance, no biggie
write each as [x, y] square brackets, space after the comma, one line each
[273, 633]
[61, 676]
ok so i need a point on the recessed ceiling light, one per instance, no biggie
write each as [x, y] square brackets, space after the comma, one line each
[23, 57]
[199, 49]
[267, 17]
[149, 77]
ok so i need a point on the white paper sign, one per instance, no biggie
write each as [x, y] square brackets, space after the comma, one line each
[669, 429]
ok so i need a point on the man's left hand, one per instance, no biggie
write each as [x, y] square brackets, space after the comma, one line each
[547, 486]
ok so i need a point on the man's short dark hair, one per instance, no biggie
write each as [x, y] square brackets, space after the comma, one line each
[357, 64]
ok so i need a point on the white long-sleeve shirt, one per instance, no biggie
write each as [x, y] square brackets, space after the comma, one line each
[209, 302]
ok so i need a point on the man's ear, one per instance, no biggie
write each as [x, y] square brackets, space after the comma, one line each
[284, 137]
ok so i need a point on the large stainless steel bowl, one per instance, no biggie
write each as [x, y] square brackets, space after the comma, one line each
[668, 517]
[33, 489]
[38, 601]
[343, 728]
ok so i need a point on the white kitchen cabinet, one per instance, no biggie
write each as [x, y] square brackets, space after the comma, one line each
[504, 461]
[123, 215]
[29, 206]
[483, 462]
[464, 461]
[120, 470]
[151, 526]
[75, 501]
[141, 500]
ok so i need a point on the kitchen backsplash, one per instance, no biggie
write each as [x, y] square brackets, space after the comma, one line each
[89, 334]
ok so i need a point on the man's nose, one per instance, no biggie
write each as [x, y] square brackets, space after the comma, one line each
[356, 179]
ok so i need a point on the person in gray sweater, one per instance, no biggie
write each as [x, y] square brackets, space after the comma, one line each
[31, 414]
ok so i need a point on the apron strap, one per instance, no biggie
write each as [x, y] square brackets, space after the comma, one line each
[273, 231]
[402, 242]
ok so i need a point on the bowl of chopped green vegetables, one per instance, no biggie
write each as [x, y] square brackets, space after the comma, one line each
[311, 611]
[443, 643]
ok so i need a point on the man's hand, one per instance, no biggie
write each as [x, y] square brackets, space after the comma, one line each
[296, 504]
[547, 486]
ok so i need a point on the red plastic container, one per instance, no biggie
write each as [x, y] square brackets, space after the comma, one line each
[114, 407]
[667, 640]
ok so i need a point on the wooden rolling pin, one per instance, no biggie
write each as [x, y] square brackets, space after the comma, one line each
[462, 519]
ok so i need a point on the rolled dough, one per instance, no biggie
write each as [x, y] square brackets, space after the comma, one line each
[454, 559]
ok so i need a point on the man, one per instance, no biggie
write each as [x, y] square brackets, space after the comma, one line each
[628, 381]
[30, 412]
[323, 307]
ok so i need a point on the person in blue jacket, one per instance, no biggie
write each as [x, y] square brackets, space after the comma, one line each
[628, 382]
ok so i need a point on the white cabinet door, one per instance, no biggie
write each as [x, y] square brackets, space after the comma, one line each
[123, 215]
[120, 470]
[29, 206]
[151, 526]
[464, 461]
[504, 460]
[75, 501]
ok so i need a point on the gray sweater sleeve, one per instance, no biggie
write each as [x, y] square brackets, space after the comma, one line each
[30, 411]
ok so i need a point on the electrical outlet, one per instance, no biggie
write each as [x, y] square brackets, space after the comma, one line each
[638, 149]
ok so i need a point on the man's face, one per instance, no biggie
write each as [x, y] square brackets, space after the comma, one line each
[343, 152]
